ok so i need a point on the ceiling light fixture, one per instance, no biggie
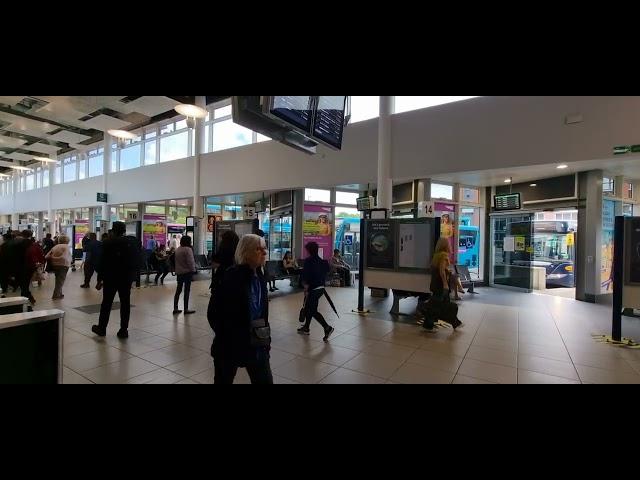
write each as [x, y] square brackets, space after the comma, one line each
[191, 112]
[507, 180]
[45, 160]
[533, 185]
[562, 167]
[18, 167]
[122, 134]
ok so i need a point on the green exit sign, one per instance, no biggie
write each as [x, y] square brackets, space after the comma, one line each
[102, 197]
[626, 149]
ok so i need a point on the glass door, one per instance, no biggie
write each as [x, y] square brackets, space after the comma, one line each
[512, 253]
[279, 236]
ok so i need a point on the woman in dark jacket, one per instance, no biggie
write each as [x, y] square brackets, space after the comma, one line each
[239, 315]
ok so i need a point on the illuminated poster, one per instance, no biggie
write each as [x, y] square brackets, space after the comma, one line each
[447, 214]
[317, 226]
[154, 231]
[82, 228]
[381, 244]
[606, 265]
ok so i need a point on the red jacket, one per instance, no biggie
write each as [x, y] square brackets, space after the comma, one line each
[35, 255]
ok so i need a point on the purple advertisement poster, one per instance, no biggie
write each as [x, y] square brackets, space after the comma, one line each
[317, 226]
[154, 231]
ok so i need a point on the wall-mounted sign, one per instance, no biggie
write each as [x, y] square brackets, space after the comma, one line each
[102, 197]
[426, 210]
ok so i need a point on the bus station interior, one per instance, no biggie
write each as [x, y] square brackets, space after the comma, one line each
[542, 272]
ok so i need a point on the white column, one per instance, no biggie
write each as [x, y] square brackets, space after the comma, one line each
[106, 166]
[198, 204]
[51, 213]
[385, 183]
[40, 232]
[15, 218]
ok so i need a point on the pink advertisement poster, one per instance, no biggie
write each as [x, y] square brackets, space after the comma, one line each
[447, 214]
[154, 227]
[317, 226]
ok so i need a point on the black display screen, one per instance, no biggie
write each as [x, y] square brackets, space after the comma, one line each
[381, 244]
[507, 202]
[328, 123]
[29, 354]
[297, 111]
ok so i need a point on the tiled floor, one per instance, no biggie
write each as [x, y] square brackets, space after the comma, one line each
[507, 338]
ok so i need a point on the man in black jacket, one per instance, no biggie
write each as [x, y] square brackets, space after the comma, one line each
[116, 268]
[47, 244]
[90, 248]
[239, 315]
[314, 275]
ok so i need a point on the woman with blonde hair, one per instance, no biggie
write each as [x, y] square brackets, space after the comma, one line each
[453, 279]
[60, 259]
[440, 306]
[239, 315]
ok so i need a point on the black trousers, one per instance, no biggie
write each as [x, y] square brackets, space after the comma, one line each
[25, 282]
[89, 269]
[259, 369]
[4, 283]
[183, 279]
[163, 271]
[123, 290]
[311, 307]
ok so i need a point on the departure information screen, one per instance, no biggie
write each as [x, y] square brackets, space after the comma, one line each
[510, 201]
[298, 111]
[328, 124]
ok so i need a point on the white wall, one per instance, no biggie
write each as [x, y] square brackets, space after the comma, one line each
[495, 132]
[25, 200]
[6, 205]
[165, 181]
[478, 134]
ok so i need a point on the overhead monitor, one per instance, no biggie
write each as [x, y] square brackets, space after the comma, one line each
[509, 201]
[365, 203]
[294, 110]
[328, 120]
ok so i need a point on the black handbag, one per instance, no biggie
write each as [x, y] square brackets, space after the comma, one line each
[260, 333]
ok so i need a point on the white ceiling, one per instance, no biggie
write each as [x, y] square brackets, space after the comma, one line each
[32, 126]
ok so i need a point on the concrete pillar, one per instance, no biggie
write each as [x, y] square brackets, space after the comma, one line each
[589, 238]
[385, 183]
